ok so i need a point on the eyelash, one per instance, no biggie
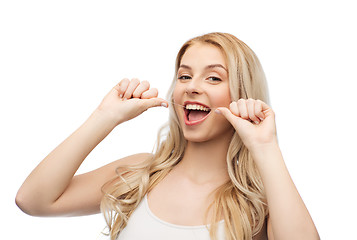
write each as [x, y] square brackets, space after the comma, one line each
[215, 79]
[186, 77]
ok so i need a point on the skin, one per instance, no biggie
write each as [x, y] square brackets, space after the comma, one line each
[188, 186]
[184, 195]
[63, 194]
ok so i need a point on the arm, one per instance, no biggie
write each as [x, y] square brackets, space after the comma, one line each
[52, 189]
[255, 123]
[288, 215]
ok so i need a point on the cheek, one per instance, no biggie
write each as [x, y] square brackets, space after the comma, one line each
[222, 98]
[177, 94]
[176, 99]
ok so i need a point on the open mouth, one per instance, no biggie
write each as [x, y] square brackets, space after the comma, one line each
[195, 113]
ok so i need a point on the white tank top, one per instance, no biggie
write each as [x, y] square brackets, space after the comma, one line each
[143, 224]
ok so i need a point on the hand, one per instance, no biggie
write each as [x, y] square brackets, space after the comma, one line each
[129, 99]
[253, 120]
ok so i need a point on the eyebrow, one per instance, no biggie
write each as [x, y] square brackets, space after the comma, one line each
[207, 67]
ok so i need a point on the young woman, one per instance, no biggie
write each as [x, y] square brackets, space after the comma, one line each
[217, 174]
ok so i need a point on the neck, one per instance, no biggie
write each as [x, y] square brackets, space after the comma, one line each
[205, 162]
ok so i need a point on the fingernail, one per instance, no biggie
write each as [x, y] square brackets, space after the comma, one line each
[256, 122]
[121, 95]
[217, 111]
[164, 105]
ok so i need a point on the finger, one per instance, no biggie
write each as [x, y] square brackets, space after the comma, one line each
[264, 106]
[143, 86]
[131, 88]
[258, 109]
[117, 87]
[234, 108]
[267, 111]
[123, 85]
[251, 110]
[242, 107]
[151, 93]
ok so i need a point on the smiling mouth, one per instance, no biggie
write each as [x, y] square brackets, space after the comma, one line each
[195, 113]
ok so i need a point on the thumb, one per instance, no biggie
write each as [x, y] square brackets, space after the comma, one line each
[227, 114]
[154, 102]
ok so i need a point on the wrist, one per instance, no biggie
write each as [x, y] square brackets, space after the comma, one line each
[261, 151]
[104, 118]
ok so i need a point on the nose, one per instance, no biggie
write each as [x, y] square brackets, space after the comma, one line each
[193, 87]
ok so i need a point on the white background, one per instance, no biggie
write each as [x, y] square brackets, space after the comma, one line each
[59, 58]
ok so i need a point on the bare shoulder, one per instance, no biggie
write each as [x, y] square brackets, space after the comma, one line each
[133, 159]
[113, 168]
[109, 171]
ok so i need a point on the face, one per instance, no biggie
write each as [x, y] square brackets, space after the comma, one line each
[202, 85]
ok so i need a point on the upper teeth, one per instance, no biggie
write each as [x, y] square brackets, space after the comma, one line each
[196, 107]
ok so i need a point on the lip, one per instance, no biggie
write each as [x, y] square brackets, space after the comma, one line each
[192, 123]
[194, 102]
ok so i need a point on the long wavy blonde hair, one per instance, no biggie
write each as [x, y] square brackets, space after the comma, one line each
[241, 201]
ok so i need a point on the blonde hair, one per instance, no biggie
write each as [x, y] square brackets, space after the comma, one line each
[241, 201]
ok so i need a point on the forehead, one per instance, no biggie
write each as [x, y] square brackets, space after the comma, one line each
[203, 54]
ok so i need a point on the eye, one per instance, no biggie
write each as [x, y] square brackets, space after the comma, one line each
[214, 79]
[184, 77]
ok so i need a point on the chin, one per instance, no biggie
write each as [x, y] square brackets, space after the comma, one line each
[196, 137]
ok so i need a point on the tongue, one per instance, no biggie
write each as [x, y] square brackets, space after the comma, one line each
[196, 115]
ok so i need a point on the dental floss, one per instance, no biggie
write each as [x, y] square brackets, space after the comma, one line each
[184, 106]
[216, 110]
